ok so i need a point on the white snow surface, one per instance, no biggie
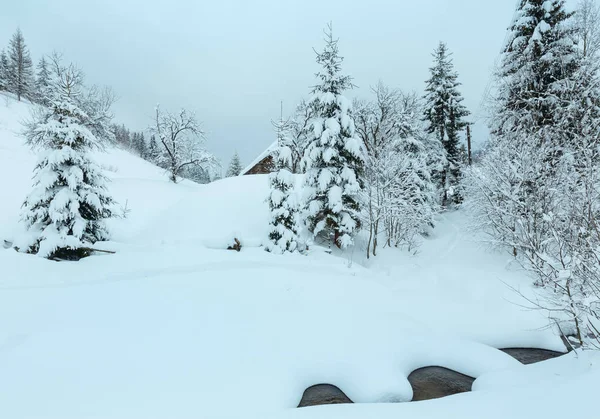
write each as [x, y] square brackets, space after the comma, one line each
[174, 326]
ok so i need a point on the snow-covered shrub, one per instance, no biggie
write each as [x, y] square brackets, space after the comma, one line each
[399, 198]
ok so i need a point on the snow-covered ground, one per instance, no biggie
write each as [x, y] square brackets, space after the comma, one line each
[174, 326]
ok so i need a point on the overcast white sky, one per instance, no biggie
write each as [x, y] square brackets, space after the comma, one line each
[233, 61]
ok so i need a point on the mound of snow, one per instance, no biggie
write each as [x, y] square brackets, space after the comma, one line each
[214, 215]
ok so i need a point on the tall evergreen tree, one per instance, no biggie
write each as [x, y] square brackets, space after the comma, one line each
[444, 114]
[42, 81]
[235, 166]
[21, 81]
[333, 159]
[66, 211]
[4, 81]
[142, 147]
[540, 55]
[138, 144]
[153, 150]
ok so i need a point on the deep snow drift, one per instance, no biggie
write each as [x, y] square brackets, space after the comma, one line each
[174, 326]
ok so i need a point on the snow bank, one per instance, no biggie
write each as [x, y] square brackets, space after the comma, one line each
[179, 332]
[215, 214]
[548, 400]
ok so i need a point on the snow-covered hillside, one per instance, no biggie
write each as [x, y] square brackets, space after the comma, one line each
[175, 326]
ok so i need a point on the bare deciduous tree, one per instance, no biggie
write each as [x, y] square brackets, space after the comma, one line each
[399, 198]
[587, 20]
[181, 139]
[297, 129]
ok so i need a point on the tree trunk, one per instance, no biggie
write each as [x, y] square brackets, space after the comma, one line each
[376, 231]
[369, 242]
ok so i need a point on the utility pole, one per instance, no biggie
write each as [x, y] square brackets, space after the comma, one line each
[469, 144]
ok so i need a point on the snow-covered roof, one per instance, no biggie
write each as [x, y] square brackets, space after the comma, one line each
[260, 157]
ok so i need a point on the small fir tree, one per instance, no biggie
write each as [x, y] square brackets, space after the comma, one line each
[235, 167]
[42, 82]
[284, 226]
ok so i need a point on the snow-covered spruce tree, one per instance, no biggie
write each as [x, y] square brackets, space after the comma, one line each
[399, 199]
[284, 207]
[42, 81]
[4, 84]
[333, 159]
[444, 114]
[235, 166]
[20, 67]
[66, 211]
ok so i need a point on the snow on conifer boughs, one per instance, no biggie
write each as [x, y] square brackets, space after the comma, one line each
[444, 114]
[284, 225]
[4, 84]
[333, 158]
[67, 209]
[42, 81]
[235, 167]
[540, 55]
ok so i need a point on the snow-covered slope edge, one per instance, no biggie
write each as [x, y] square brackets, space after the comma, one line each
[155, 207]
